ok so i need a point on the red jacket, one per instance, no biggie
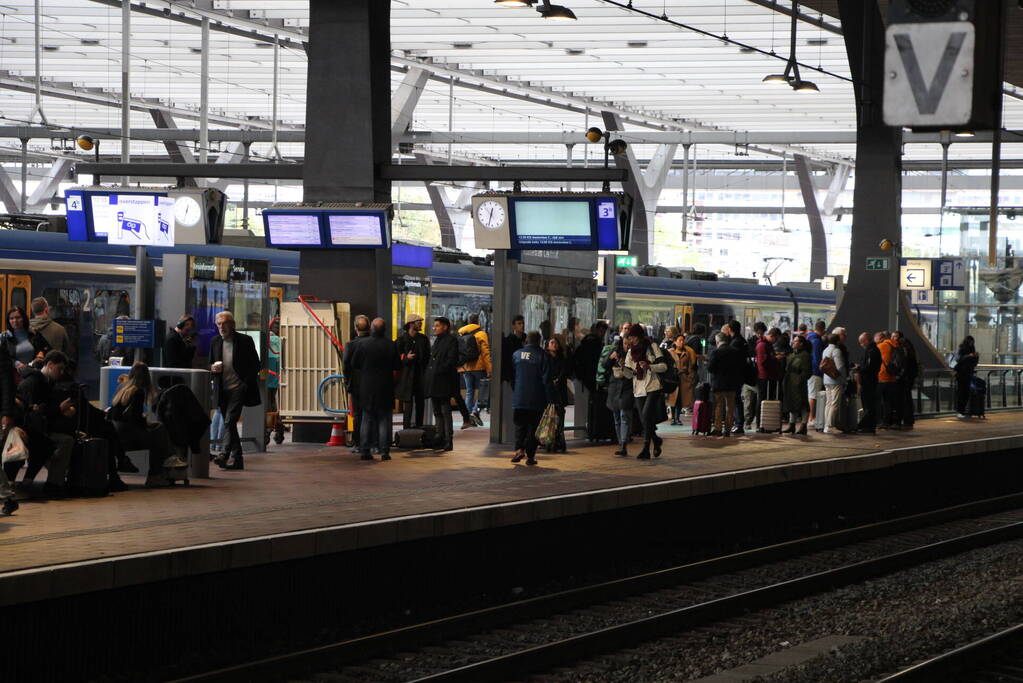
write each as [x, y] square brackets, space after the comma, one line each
[767, 365]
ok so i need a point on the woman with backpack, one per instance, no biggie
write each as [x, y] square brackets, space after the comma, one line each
[680, 401]
[644, 364]
[965, 364]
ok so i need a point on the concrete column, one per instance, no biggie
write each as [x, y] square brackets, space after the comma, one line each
[870, 301]
[348, 135]
[818, 240]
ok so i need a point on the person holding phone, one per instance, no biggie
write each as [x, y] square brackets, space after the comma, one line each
[179, 348]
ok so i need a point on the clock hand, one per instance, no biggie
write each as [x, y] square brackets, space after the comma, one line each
[491, 217]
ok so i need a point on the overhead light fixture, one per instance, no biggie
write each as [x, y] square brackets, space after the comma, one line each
[555, 12]
[791, 75]
[85, 142]
[594, 134]
[965, 134]
[515, 3]
[617, 147]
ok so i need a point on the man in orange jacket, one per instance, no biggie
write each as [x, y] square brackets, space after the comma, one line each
[887, 379]
[474, 346]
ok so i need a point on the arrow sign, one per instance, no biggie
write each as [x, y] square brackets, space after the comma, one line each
[915, 274]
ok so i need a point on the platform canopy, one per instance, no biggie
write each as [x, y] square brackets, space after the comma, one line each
[493, 71]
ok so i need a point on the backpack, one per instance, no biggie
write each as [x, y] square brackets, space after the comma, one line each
[468, 349]
[669, 378]
[898, 363]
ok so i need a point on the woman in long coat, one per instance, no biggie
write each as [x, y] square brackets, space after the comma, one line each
[681, 400]
[795, 400]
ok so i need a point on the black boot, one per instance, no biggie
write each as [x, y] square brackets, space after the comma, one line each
[645, 453]
[623, 449]
[235, 462]
[658, 442]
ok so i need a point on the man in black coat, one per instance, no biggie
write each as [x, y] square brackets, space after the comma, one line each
[906, 380]
[414, 354]
[442, 378]
[361, 324]
[509, 345]
[179, 348]
[235, 367]
[374, 361]
[868, 371]
[726, 365]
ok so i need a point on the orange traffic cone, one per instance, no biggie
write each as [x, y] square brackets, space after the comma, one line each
[337, 436]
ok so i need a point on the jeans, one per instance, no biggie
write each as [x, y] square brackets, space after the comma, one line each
[651, 411]
[472, 380]
[231, 404]
[376, 429]
[889, 402]
[442, 418]
[526, 422]
[725, 407]
[623, 427]
[217, 428]
[868, 397]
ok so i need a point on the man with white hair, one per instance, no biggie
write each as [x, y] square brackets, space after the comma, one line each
[235, 367]
[834, 365]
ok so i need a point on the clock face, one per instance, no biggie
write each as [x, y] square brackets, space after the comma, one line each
[187, 211]
[491, 214]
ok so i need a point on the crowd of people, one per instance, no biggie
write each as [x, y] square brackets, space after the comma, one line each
[44, 407]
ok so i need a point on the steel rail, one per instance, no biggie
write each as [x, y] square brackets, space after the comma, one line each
[960, 659]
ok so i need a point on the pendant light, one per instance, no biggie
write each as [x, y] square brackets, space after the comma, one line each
[791, 75]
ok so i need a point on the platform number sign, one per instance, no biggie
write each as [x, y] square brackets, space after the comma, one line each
[878, 263]
[949, 274]
[929, 69]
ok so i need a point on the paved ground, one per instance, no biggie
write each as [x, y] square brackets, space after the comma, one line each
[298, 487]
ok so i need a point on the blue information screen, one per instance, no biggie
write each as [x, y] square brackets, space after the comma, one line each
[608, 236]
[138, 334]
[77, 227]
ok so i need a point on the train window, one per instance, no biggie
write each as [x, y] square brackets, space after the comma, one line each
[107, 304]
[19, 297]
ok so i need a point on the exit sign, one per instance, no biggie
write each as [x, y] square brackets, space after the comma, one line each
[880, 263]
[625, 261]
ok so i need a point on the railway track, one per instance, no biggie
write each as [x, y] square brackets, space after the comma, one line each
[540, 634]
[998, 658]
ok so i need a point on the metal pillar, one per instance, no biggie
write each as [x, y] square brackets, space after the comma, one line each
[348, 138]
[818, 240]
[125, 84]
[24, 175]
[275, 97]
[507, 288]
[685, 192]
[204, 92]
[38, 106]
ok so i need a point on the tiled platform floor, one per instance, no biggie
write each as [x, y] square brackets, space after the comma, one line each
[302, 487]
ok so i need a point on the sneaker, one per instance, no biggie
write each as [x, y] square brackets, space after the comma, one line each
[477, 419]
[961, 416]
[174, 462]
[10, 505]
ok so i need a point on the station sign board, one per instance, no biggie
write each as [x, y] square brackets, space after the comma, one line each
[922, 297]
[135, 334]
[915, 274]
[878, 263]
[948, 274]
[551, 221]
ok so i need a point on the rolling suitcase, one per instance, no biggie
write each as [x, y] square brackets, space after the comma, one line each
[703, 413]
[87, 475]
[770, 412]
[818, 418]
[978, 397]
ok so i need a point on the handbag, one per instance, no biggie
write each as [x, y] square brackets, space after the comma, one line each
[669, 379]
[547, 430]
[15, 449]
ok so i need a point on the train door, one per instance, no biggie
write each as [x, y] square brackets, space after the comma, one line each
[684, 317]
[15, 290]
[276, 299]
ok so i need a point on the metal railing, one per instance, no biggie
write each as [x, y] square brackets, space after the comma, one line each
[935, 391]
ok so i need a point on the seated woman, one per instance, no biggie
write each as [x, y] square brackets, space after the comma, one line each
[127, 413]
[23, 345]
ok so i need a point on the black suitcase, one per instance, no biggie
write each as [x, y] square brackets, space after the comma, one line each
[87, 475]
[416, 437]
[977, 401]
[599, 421]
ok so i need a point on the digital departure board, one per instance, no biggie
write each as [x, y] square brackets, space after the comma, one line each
[120, 216]
[581, 221]
[327, 227]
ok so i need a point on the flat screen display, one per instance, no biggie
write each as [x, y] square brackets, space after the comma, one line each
[356, 230]
[555, 223]
[292, 229]
[608, 237]
[411, 256]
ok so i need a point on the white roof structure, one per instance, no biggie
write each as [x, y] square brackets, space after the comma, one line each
[557, 75]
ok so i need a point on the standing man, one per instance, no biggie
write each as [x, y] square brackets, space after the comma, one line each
[352, 379]
[533, 391]
[835, 364]
[815, 384]
[726, 365]
[179, 348]
[235, 367]
[52, 331]
[868, 371]
[442, 379]
[512, 343]
[888, 378]
[374, 361]
[734, 331]
[413, 354]
[906, 379]
[769, 370]
[474, 354]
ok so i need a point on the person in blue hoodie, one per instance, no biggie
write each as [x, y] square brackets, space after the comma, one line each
[815, 384]
[533, 391]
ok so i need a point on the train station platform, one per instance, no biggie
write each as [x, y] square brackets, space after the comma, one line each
[299, 501]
